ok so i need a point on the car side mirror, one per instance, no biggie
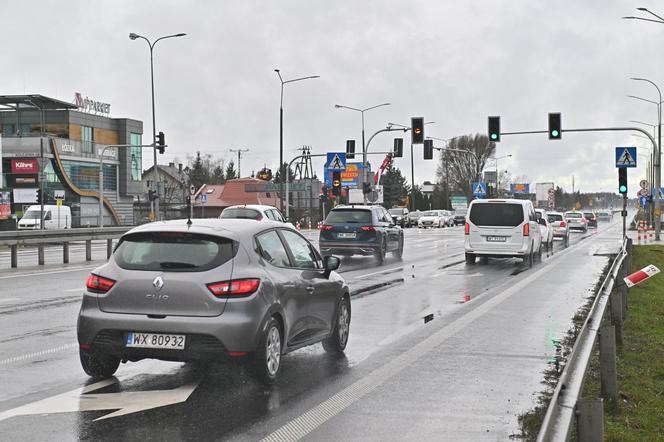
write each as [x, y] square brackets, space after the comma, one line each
[541, 221]
[330, 263]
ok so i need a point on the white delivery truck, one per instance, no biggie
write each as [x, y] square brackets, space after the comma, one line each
[54, 218]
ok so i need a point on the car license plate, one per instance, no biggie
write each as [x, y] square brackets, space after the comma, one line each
[496, 238]
[155, 340]
[347, 235]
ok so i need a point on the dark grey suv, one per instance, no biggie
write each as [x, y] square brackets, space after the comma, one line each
[218, 289]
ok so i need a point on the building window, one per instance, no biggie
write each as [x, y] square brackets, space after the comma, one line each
[87, 139]
[136, 156]
[86, 175]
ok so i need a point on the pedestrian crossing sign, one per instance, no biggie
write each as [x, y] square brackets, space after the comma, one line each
[625, 157]
[479, 189]
[336, 161]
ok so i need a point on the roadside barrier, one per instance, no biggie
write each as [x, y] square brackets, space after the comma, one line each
[567, 406]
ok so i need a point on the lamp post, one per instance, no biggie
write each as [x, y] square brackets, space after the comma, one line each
[496, 160]
[649, 176]
[364, 147]
[656, 155]
[151, 45]
[281, 133]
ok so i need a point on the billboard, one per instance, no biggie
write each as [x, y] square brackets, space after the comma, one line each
[5, 208]
[351, 177]
[545, 194]
[25, 165]
[520, 188]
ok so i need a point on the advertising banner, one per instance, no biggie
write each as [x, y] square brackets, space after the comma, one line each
[545, 194]
[25, 195]
[520, 188]
[351, 177]
[25, 165]
[5, 208]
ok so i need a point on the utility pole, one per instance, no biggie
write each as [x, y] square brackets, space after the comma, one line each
[239, 159]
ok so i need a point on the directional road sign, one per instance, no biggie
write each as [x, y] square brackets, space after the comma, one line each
[336, 161]
[625, 157]
[203, 198]
[643, 201]
[479, 189]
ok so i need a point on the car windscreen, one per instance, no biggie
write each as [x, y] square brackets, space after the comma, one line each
[32, 214]
[242, 213]
[555, 217]
[173, 251]
[430, 213]
[573, 215]
[396, 211]
[340, 216]
[496, 214]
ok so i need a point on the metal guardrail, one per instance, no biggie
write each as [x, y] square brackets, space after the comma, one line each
[18, 238]
[566, 403]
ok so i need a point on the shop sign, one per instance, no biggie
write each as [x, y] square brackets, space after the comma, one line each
[88, 105]
[25, 180]
[24, 165]
[68, 148]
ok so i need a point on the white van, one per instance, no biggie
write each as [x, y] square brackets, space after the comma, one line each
[54, 218]
[502, 228]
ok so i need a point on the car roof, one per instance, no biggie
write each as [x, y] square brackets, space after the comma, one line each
[359, 207]
[502, 200]
[236, 229]
[251, 206]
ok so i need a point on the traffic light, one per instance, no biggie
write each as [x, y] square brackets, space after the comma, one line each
[265, 174]
[398, 147]
[494, 129]
[39, 195]
[366, 188]
[555, 131]
[161, 142]
[350, 149]
[428, 149]
[152, 195]
[323, 193]
[622, 180]
[336, 183]
[417, 130]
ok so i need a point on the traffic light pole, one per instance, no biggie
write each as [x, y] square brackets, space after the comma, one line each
[656, 165]
[365, 152]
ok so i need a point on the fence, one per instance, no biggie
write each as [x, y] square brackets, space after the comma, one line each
[567, 403]
[64, 237]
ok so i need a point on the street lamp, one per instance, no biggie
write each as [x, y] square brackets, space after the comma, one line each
[659, 19]
[656, 155]
[281, 133]
[650, 150]
[133, 36]
[364, 147]
[496, 160]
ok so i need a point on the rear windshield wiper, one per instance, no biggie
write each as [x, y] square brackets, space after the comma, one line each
[176, 265]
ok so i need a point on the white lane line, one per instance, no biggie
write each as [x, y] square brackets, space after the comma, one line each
[37, 354]
[78, 289]
[47, 272]
[9, 300]
[307, 422]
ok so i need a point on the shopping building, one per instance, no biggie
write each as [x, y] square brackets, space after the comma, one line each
[53, 145]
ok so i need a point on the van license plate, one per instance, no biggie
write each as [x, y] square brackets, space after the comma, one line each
[347, 235]
[154, 340]
[496, 238]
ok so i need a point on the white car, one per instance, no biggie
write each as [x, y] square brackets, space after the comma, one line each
[545, 228]
[501, 228]
[431, 218]
[448, 218]
[256, 212]
[559, 226]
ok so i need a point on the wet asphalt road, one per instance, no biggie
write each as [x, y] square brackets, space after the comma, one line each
[420, 364]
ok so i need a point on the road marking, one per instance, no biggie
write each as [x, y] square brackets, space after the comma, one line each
[71, 269]
[9, 300]
[37, 354]
[125, 402]
[307, 422]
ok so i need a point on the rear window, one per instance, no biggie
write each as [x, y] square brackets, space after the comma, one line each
[496, 214]
[396, 211]
[588, 214]
[555, 217]
[241, 213]
[573, 215]
[173, 252]
[349, 216]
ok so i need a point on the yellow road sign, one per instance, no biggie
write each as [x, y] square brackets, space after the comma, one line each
[58, 202]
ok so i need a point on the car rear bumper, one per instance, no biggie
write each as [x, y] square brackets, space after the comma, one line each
[335, 248]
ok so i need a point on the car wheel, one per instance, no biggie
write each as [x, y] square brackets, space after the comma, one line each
[381, 252]
[267, 360]
[567, 241]
[336, 343]
[528, 260]
[539, 254]
[470, 258]
[398, 253]
[551, 246]
[98, 365]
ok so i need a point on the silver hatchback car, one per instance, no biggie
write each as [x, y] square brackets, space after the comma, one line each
[217, 289]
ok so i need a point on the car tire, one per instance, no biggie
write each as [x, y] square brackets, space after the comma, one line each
[337, 341]
[398, 253]
[539, 253]
[550, 250]
[98, 365]
[381, 252]
[528, 260]
[267, 359]
[470, 258]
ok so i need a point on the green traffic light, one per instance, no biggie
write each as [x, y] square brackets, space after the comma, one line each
[494, 136]
[555, 133]
[623, 189]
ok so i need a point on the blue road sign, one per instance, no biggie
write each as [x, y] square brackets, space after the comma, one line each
[643, 201]
[336, 161]
[625, 157]
[203, 198]
[479, 189]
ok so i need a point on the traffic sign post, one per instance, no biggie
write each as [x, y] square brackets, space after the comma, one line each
[626, 157]
[479, 189]
[203, 201]
[336, 161]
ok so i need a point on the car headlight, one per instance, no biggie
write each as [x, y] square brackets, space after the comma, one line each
[398, 218]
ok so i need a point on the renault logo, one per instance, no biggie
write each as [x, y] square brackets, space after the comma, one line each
[158, 283]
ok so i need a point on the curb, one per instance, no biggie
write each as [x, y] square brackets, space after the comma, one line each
[372, 287]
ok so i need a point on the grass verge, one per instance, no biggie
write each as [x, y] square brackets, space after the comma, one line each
[639, 413]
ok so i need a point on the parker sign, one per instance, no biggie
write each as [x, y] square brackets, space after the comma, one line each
[88, 105]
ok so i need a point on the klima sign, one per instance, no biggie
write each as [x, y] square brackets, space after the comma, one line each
[88, 105]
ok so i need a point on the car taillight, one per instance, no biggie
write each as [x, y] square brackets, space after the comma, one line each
[563, 224]
[236, 287]
[326, 227]
[466, 229]
[526, 229]
[98, 284]
[368, 229]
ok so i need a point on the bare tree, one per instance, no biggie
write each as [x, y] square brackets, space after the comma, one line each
[457, 169]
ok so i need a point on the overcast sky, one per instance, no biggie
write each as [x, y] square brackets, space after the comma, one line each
[452, 62]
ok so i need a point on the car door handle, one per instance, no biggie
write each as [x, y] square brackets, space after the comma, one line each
[310, 289]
